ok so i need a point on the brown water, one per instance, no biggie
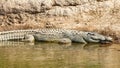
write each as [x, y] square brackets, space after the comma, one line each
[51, 55]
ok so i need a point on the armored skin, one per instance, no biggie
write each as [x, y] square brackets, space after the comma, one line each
[54, 35]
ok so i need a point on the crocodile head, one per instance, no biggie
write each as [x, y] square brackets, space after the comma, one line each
[98, 38]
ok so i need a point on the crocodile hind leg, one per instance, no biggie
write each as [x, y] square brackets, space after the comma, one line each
[29, 38]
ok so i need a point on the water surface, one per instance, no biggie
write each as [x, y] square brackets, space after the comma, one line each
[51, 55]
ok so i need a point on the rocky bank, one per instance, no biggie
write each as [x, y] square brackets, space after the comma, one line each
[101, 16]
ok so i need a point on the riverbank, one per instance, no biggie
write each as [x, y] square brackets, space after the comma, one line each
[100, 16]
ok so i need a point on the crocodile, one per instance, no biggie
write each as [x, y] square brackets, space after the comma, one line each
[54, 35]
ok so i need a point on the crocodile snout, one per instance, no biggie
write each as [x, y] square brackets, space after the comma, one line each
[107, 40]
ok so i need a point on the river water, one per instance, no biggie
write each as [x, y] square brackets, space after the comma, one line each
[52, 55]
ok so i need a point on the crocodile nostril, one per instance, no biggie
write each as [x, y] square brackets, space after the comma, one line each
[109, 39]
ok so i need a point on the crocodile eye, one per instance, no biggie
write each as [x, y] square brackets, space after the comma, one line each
[91, 34]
